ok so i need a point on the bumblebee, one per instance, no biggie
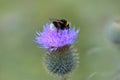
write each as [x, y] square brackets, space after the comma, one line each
[60, 24]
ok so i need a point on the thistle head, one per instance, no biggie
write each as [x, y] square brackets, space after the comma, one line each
[61, 58]
[114, 30]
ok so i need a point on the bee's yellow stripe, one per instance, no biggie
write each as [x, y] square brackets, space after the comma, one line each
[66, 23]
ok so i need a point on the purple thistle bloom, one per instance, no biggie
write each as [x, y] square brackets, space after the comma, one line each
[50, 38]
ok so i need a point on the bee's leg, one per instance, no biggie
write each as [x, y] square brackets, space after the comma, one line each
[57, 30]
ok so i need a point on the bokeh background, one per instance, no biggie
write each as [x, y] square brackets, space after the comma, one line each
[22, 59]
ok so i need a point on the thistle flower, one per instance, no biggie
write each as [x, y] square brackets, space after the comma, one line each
[60, 57]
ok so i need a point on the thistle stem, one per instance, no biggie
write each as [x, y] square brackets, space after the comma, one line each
[63, 77]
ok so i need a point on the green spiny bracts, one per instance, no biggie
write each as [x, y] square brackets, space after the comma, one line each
[62, 60]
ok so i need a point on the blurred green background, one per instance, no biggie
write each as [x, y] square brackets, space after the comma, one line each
[22, 59]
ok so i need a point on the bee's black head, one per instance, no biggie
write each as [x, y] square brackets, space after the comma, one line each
[65, 23]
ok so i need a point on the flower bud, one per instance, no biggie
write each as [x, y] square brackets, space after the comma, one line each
[114, 31]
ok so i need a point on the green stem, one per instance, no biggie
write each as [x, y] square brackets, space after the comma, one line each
[63, 77]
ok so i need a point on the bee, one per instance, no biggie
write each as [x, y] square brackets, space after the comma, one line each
[60, 24]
